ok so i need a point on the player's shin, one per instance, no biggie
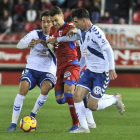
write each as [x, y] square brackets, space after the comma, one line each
[106, 96]
[39, 103]
[80, 110]
[69, 100]
[17, 107]
[102, 104]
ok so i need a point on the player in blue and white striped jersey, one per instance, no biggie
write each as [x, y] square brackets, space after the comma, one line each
[40, 69]
[98, 56]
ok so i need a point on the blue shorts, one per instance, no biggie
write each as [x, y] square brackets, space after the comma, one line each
[36, 77]
[96, 83]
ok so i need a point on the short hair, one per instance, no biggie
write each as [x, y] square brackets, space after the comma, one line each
[54, 11]
[44, 13]
[80, 13]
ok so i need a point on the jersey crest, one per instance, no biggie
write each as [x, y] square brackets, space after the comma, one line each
[60, 32]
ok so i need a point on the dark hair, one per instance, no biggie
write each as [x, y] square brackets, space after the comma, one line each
[44, 13]
[54, 11]
[80, 13]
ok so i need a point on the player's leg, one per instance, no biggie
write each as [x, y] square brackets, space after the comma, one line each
[83, 88]
[78, 97]
[27, 81]
[45, 82]
[45, 88]
[18, 102]
[100, 85]
[68, 93]
[89, 115]
[70, 77]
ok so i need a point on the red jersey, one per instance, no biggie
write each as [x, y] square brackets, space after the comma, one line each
[66, 52]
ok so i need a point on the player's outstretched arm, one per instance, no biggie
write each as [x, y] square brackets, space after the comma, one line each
[71, 32]
[112, 72]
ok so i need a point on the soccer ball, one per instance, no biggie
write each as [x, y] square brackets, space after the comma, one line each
[28, 124]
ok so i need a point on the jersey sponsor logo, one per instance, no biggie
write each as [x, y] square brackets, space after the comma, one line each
[97, 90]
[24, 37]
[88, 38]
[60, 33]
[67, 74]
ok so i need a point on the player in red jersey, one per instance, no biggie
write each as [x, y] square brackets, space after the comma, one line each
[68, 68]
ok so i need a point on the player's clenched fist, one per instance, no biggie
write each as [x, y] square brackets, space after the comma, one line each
[32, 43]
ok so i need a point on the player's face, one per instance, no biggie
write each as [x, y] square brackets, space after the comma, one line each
[46, 24]
[57, 21]
[79, 23]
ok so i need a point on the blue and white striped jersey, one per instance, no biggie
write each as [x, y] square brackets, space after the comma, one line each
[92, 45]
[40, 58]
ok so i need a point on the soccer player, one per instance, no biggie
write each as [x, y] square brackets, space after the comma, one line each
[68, 68]
[98, 56]
[40, 69]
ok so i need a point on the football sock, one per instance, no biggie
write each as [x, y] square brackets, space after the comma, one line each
[80, 110]
[102, 104]
[39, 103]
[72, 109]
[106, 96]
[89, 115]
[17, 107]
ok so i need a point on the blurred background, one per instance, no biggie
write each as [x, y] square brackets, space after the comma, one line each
[119, 19]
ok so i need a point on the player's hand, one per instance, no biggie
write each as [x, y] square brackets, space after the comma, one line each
[43, 42]
[32, 43]
[52, 40]
[71, 32]
[112, 74]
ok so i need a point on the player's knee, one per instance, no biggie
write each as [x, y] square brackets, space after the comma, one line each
[77, 98]
[61, 101]
[92, 107]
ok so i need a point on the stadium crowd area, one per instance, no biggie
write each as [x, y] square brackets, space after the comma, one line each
[18, 17]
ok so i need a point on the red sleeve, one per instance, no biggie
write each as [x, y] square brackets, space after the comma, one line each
[71, 24]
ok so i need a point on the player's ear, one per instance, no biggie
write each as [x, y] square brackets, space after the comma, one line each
[62, 16]
[84, 19]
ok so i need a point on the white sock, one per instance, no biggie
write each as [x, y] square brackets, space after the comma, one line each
[39, 103]
[89, 115]
[106, 96]
[102, 104]
[80, 110]
[17, 107]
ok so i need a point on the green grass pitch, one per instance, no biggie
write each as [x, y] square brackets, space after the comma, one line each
[54, 120]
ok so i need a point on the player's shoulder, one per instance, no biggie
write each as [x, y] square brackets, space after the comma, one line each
[95, 29]
[96, 32]
[69, 24]
[35, 32]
